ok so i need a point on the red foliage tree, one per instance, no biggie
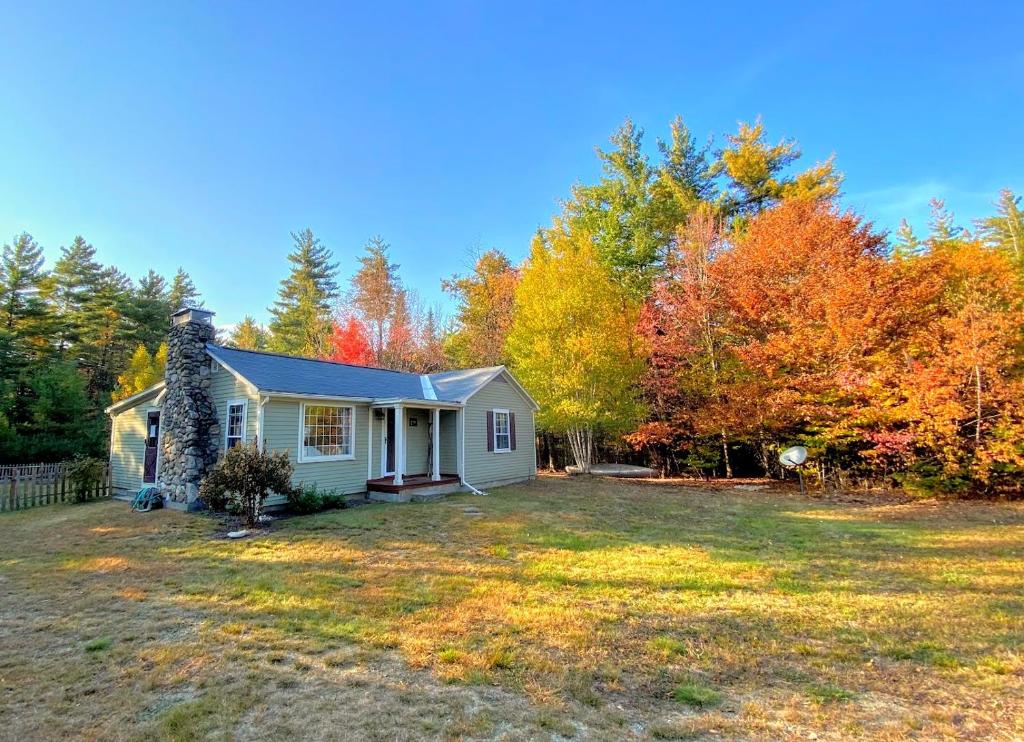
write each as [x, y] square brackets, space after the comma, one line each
[350, 343]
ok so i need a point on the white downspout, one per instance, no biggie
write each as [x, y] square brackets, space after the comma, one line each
[460, 425]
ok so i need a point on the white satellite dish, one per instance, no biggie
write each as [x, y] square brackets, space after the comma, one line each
[793, 456]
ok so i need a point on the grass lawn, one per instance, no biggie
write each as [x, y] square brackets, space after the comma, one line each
[565, 608]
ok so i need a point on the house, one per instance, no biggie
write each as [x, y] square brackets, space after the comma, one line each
[351, 429]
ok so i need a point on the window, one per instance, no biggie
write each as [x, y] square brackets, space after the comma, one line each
[327, 433]
[234, 428]
[502, 431]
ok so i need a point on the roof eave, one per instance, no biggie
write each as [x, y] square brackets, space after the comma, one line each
[133, 400]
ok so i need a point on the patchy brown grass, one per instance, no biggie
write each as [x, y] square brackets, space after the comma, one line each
[569, 608]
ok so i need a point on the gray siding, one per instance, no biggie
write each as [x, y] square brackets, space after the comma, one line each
[489, 468]
[224, 387]
[281, 433]
[128, 446]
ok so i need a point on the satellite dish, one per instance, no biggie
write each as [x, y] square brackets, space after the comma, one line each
[793, 456]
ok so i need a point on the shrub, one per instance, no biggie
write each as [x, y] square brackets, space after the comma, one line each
[242, 480]
[306, 499]
[86, 474]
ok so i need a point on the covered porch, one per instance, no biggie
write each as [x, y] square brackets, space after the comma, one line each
[413, 449]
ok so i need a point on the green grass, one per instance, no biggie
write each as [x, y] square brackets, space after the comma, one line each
[99, 644]
[695, 694]
[590, 607]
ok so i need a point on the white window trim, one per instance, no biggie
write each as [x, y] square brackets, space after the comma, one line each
[508, 415]
[244, 403]
[302, 458]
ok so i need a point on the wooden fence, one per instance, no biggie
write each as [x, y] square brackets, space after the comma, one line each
[28, 485]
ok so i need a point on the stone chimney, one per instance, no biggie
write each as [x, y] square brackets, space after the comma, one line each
[191, 430]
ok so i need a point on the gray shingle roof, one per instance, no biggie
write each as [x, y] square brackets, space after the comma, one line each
[270, 372]
[460, 385]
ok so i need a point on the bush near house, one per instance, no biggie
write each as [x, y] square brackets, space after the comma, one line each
[242, 480]
[309, 498]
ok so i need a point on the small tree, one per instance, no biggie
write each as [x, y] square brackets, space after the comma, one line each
[244, 478]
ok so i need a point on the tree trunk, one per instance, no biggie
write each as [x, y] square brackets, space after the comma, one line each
[725, 455]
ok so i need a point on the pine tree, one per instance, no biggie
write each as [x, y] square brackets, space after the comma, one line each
[248, 335]
[183, 292]
[906, 243]
[149, 310]
[24, 315]
[76, 280]
[756, 173]
[399, 351]
[301, 316]
[942, 225]
[375, 290]
[619, 213]
[430, 351]
[1005, 230]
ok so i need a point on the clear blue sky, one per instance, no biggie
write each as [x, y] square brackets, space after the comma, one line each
[202, 136]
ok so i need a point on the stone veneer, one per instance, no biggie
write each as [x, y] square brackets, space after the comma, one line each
[191, 430]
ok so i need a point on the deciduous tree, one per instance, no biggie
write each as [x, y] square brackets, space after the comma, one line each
[570, 342]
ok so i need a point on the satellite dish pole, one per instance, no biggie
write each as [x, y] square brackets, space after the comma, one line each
[794, 458]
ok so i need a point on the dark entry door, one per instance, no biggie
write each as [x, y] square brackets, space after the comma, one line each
[152, 437]
[389, 443]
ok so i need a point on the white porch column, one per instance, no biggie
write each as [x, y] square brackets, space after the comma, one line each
[369, 443]
[399, 443]
[435, 446]
[460, 442]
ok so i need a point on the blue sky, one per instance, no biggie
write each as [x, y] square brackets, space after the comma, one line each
[201, 136]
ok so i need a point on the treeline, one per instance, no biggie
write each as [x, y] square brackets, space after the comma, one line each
[67, 334]
[698, 309]
[713, 307]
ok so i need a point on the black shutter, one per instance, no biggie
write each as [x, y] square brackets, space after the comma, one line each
[512, 430]
[490, 430]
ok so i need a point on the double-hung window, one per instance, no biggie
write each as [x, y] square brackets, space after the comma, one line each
[234, 428]
[502, 431]
[327, 433]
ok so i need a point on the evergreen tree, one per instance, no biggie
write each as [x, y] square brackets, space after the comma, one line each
[24, 316]
[248, 335]
[183, 292]
[301, 316]
[149, 311]
[906, 243]
[942, 225]
[399, 352]
[375, 289]
[1005, 230]
[619, 212]
[756, 173]
[430, 353]
[76, 280]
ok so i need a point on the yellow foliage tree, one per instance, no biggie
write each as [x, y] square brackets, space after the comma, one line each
[144, 370]
[572, 342]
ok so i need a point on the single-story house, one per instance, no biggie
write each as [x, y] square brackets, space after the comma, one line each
[351, 429]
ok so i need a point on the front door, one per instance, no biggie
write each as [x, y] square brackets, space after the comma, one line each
[152, 438]
[389, 443]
